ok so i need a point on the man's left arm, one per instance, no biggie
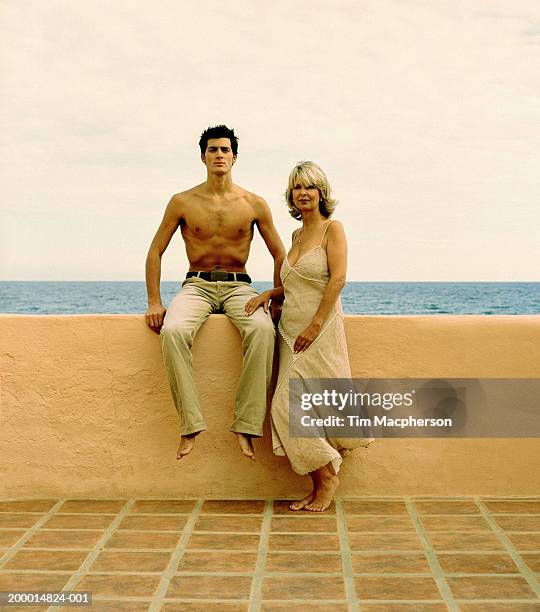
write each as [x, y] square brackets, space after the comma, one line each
[270, 236]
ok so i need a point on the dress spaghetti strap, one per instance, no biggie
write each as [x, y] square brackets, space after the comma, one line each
[330, 221]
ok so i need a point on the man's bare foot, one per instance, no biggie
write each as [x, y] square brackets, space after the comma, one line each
[328, 483]
[186, 445]
[246, 446]
[302, 503]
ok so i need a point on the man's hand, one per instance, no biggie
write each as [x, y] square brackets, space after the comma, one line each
[154, 316]
[262, 299]
[306, 337]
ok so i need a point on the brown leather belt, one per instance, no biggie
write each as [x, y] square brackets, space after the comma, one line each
[221, 275]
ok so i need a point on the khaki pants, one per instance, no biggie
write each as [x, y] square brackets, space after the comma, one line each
[187, 312]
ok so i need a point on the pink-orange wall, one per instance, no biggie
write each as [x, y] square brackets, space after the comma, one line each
[85, 410]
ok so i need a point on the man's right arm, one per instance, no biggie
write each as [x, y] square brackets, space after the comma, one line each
[171, 219]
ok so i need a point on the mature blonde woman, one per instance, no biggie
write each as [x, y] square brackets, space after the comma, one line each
[312, 336]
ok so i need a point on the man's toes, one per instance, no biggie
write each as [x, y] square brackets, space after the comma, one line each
[246, 446]
[186, 446]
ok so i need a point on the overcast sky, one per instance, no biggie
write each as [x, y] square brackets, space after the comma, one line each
[425, 115]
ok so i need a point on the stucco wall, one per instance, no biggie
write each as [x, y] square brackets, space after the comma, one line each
[85, 410]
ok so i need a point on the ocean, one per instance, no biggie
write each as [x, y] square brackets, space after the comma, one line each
[373, 298]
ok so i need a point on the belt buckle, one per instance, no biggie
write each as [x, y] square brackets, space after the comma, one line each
[219, 275]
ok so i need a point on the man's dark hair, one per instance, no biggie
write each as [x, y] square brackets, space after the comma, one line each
[218, 131]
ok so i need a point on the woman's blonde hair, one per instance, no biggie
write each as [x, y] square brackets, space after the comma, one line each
[307, 174]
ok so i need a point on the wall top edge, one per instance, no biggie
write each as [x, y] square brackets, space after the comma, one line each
[532, 317]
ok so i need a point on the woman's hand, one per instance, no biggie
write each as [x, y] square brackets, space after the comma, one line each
[262, 299]
[306, 337]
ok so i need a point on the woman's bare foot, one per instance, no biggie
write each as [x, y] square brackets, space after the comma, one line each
[186, 445]
[302, 503]
[327, 485]
[246, 446]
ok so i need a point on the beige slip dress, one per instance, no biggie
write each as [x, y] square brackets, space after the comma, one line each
[327, 357]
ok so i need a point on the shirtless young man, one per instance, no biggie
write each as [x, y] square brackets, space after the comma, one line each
[216, 220]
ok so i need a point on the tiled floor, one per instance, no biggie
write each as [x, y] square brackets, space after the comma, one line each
[411, 554]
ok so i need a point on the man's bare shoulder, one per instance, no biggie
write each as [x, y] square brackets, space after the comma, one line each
[258, 204]
[179, 200]
[184, 196]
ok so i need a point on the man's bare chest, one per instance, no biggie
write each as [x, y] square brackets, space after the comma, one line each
[224, 220]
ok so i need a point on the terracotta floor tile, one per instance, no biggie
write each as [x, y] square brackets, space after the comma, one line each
[384, 541]
[223, 541]
[447, 506]
[9, 537]
[404, 607]
[144, 540]
[244, 524]
[110, 605]
[233, 506]
[390, 564]
[185, 606]
[193, 561]
[490, 587]
[47, 560]
[306, 524]
[29, 608]
[389, 587]
[17, 581]
[303, 587]
[79, 521]
[303, 562]
[379, 523]
[517, 506]
[34, 505]
[120, 561]
[301, 607]
[119, 586]
[525, 522]
[375, 507]
[464, 541]
[18, 520]
[499, 607]
[477, 563]
[532, 560]
[163, 506]
[454, 523]
[154, 523]
[104, 506]
[64, 539]
[210, 587]
[525, 541]
[281, 506]
[314, 543]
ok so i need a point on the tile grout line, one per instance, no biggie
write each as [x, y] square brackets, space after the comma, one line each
[510, 548]
[10, 553]
[345, 554]
[92, 555]
[501, 601]
[255, 595]
[176, 555]
[432, 560]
